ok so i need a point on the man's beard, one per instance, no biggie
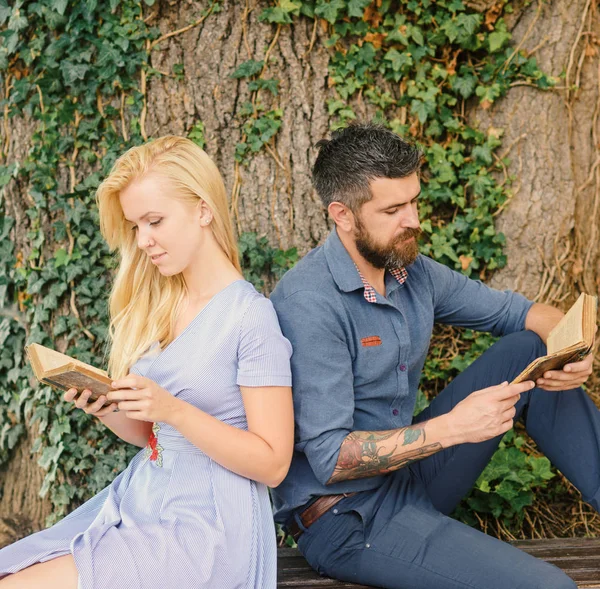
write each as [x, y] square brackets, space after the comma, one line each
[395, 254]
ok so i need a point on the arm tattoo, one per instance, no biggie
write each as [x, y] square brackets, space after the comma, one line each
[367, 454]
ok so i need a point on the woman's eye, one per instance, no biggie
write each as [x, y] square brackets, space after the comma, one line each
[134, 228]
[155, 222]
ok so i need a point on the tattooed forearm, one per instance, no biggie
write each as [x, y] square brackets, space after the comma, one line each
[367, 454]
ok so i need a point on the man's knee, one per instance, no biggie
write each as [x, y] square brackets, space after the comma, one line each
[515, 351]
[522, 343]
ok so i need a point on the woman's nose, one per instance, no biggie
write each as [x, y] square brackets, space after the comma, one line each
[142, 239]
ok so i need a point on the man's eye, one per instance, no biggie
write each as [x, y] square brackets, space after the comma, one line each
[391, 212]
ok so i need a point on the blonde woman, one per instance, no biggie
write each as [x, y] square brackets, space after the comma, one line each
[202, 383]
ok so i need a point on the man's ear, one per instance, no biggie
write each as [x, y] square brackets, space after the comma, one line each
[341, 215]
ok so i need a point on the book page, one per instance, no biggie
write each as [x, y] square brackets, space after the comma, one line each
[569, 330]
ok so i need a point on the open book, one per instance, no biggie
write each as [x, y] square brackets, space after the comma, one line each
[64, 372]
[570, 340]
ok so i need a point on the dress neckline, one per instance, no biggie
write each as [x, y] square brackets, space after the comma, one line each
[199, 314]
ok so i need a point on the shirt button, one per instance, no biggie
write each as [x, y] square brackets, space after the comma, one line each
[335, 511]
[367, 546]
[403, 367]
[395, 412]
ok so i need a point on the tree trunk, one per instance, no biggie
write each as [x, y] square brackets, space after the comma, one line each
[552, 222]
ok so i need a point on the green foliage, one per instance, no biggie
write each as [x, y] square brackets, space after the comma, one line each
[282, 13]
[196, 134]
[259, 260]
[258, 131]
[248, 69]
[68, 66]
[507, 484]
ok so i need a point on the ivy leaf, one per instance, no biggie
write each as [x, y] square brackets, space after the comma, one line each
[60, 6]
[248, 69]
[451, 30]
[464, 85]
[4, 12]
[398, 60]
[11, 40]
[497, 39]
[73, 72]
[483, 153]
[357, 7]
[541, 468]
[281, 14]
[417, 36]
[421, 109]
[61, 258]
[271, 84]
[330, 10]
[469, 23]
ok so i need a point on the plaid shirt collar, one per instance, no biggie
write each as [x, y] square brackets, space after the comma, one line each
[400, 274]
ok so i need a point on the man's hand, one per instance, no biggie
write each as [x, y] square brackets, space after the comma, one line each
[570, 377]
[486, 413]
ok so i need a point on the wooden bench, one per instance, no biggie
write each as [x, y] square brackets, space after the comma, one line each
[578, 557]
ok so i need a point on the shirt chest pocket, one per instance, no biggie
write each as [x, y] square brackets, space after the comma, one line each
[376, 362]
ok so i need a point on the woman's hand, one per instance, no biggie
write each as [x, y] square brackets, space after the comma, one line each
[142, 399]
[98, 408]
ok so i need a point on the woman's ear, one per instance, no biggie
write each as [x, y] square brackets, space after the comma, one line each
[204, 213]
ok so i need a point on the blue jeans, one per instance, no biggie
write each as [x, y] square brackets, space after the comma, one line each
[400, 535]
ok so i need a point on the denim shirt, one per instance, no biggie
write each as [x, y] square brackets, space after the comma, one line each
[356, 364]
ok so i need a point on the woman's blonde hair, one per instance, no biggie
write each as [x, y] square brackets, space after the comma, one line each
[144, 303]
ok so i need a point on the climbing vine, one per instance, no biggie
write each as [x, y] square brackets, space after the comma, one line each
[78, 72]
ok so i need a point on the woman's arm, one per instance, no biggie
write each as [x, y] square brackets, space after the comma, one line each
[131, 430]
[263, 453]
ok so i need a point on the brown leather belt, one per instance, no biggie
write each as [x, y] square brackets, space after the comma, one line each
[312, 513]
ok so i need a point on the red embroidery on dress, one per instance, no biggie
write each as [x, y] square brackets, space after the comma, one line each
[153, 448]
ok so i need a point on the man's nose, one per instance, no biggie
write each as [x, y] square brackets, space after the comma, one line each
[411, 220]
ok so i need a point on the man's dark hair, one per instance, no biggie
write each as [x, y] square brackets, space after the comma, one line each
[356, 155]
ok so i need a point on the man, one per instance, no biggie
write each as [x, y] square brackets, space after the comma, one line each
[370, 487]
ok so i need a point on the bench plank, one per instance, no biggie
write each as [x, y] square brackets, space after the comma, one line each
[578, 557]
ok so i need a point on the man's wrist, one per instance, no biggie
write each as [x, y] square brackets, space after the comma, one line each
[445, 431]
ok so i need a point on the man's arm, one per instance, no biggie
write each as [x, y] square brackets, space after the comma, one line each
[542, 318]
[367, 454]
[483, 415]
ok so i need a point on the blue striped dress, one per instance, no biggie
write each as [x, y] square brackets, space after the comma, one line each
[174, 518]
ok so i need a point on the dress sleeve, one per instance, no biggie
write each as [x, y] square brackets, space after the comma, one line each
[263, 353]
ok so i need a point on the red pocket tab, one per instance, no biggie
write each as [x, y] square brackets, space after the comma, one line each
[372, 340]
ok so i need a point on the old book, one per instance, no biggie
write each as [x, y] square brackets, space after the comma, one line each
[570, 340]
[64, 372]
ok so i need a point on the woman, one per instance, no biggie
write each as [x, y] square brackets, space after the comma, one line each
[202, 382]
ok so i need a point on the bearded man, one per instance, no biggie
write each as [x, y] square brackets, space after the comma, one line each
[371, 487]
